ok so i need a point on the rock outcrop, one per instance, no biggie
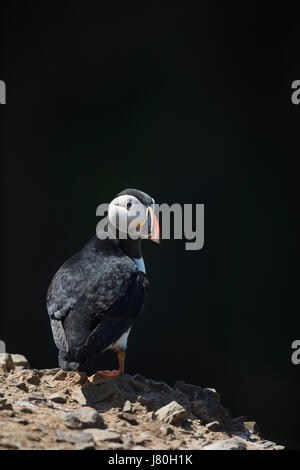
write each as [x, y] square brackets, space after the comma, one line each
[53, 409]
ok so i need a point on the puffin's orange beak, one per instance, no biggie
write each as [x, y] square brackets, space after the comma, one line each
[153, 226]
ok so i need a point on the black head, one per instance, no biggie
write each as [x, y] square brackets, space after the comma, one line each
[144, 198]
[132, 212]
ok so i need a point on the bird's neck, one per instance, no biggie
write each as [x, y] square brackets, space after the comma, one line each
[130, 247]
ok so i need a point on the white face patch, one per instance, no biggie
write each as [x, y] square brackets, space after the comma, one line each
[140, 264]
[127, 214]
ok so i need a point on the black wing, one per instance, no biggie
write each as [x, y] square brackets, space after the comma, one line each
[93, 304]
[67, 286]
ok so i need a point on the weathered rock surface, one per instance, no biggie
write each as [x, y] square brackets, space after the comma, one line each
[53, 409]
[171, 413]
[6, 361]
[20, 361]
[227, 444]
[102, 435]
[84, 418]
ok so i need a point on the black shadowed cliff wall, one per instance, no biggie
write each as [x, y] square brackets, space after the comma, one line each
[191, 106]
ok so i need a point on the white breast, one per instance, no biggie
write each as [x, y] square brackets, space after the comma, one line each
[121, 343]
[140, 264]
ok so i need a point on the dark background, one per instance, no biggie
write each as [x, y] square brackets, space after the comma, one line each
[191, 106]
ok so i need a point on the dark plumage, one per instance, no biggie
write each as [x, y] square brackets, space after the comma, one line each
[96, 295]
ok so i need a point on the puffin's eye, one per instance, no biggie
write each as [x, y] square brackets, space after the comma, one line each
[129, 204]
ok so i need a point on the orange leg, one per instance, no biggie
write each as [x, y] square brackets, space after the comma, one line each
[114, 373]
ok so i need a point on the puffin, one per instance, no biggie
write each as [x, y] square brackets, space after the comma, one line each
[97, 294]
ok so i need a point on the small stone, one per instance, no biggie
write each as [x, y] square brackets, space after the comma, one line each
[40, 429]
[10, 444]
[77, 378]
[33, 437]
[251, 426]
[22, 421]
[127, 408]
[78, 396]
[171, 413]
[50, 372]
[84, 418]
[93, 394]
[145, 401]
[33, 378]
[96, 379]
[57, 398]
[214, 426]
[20, 361]
[85, 445]
[142, 438]
[5, 404]
[73, 437]
[102, 435]
[124, 424]
[24, 409]
[128, 418]
[114, 446]
[6, 361]
[127, 440]
[166, 430]
[21, 385]
[8, 413]
[265, 444]
[226, 444]
[60, 375]
[36, 396]
[278, 447]
[152, 416]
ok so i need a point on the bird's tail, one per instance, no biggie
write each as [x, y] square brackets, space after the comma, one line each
[65, 363]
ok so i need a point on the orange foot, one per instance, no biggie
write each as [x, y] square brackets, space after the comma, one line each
[114, 373]
[108, 373]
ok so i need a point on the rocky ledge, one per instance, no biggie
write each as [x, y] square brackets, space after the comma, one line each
[53, 409]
